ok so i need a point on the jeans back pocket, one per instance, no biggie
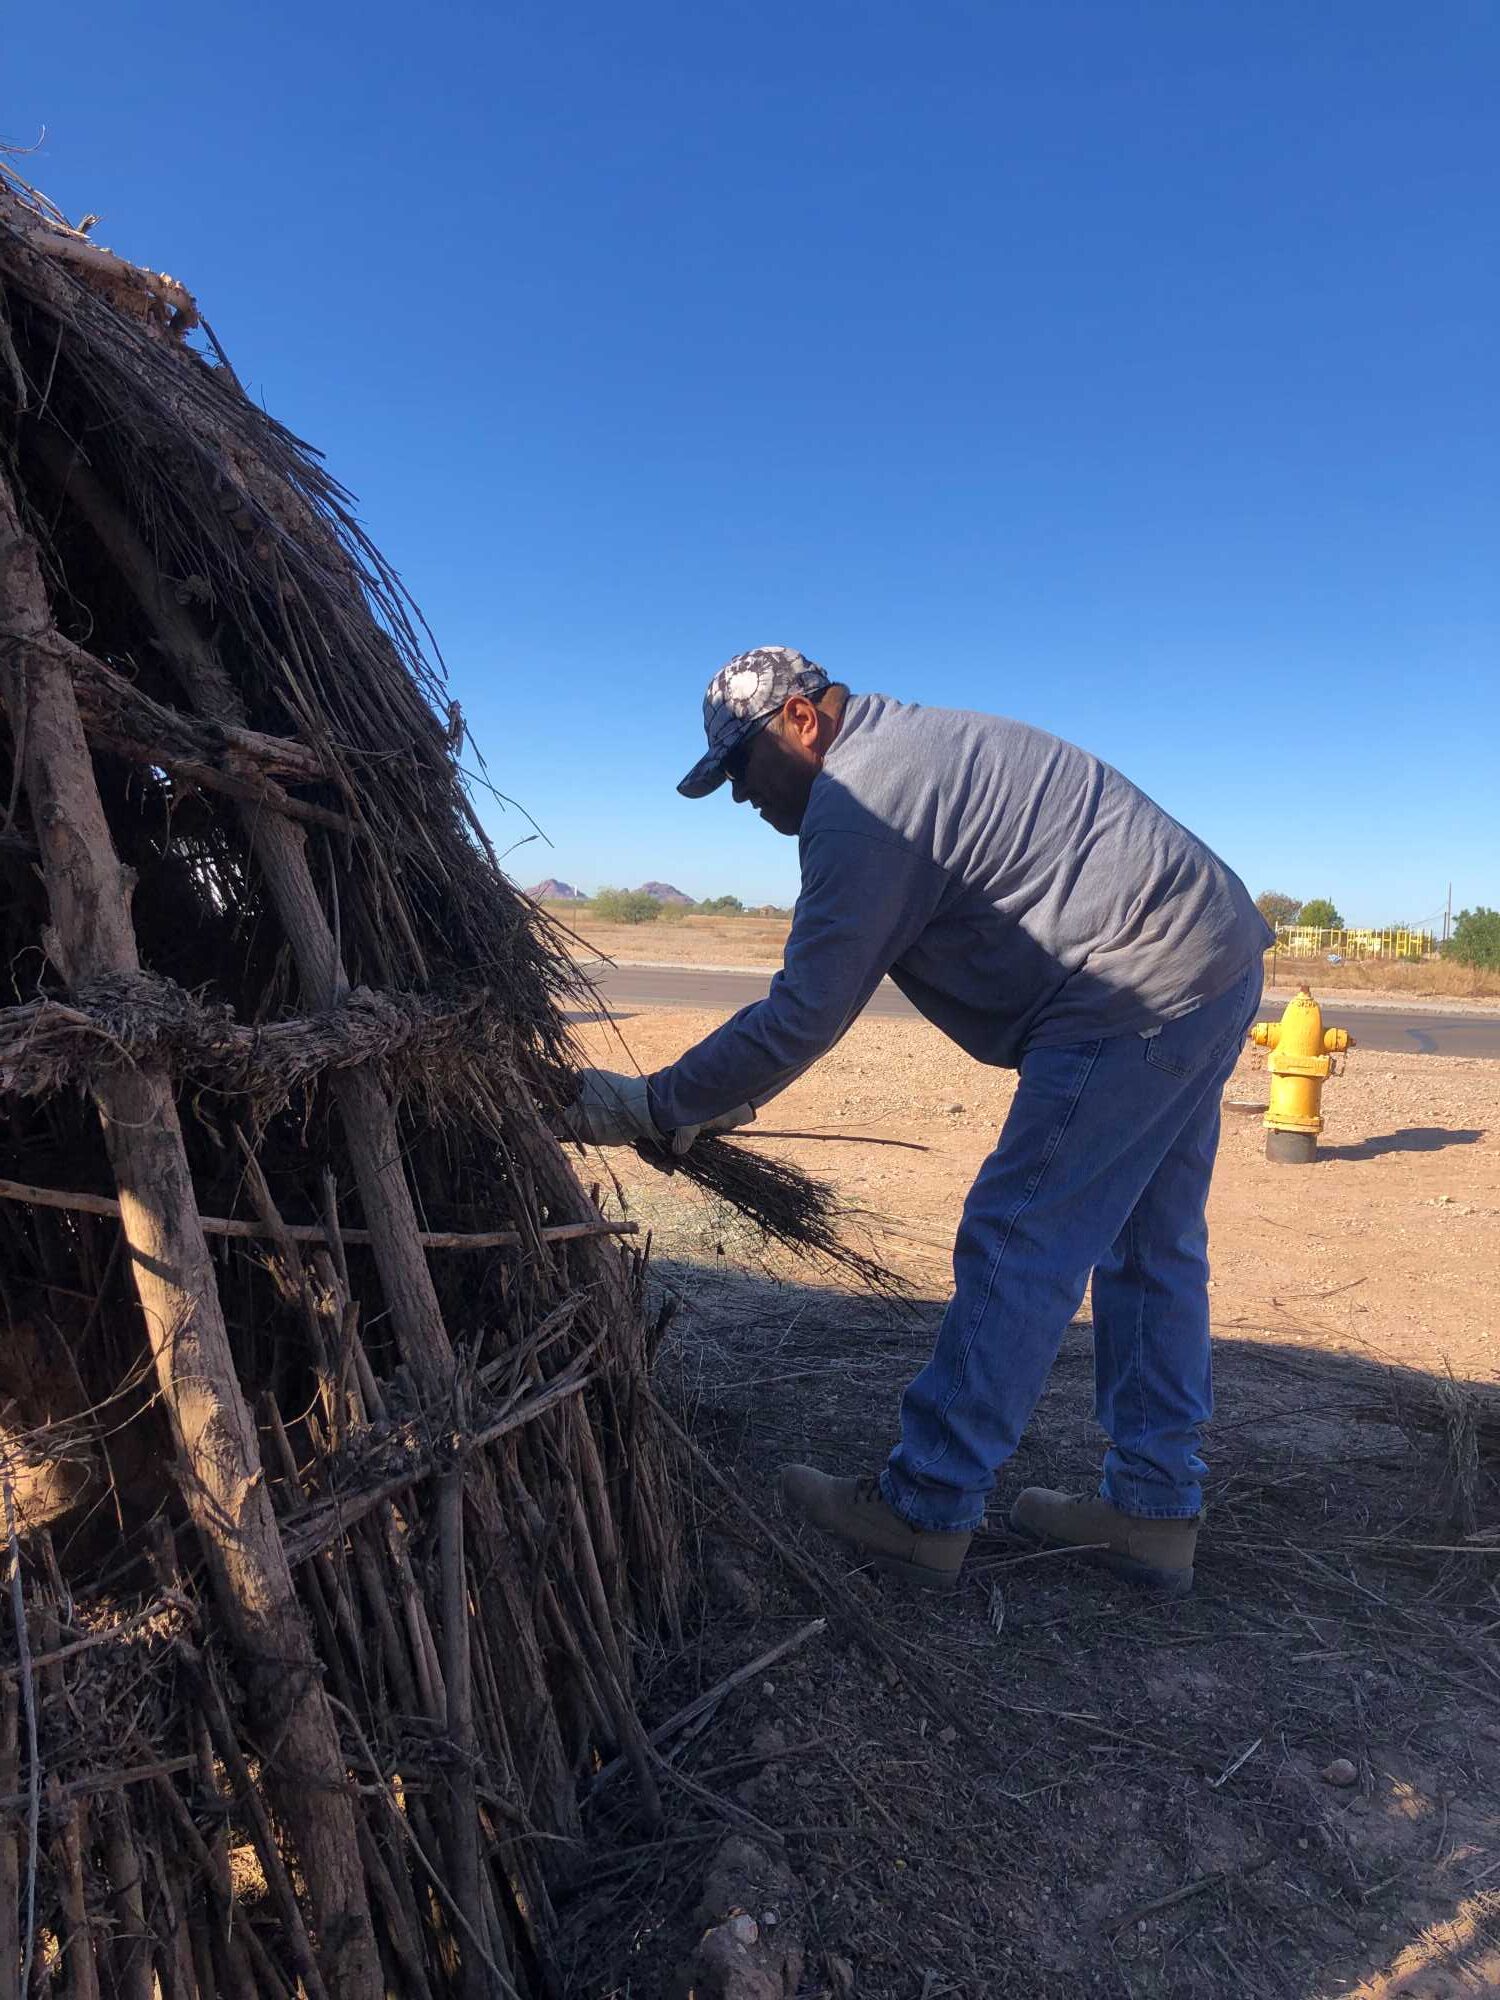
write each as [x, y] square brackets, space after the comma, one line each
[1198, 1040]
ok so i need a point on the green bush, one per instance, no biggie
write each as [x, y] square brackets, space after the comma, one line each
[1476, 938]
[1320, 915]
[625, 906]
[719, 906]
[672, 913]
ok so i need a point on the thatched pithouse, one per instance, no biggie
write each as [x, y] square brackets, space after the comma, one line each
[331, 1495]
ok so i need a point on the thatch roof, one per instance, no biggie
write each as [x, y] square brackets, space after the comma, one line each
[332, 1496]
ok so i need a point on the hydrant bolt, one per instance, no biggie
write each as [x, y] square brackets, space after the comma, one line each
[1301, 1058]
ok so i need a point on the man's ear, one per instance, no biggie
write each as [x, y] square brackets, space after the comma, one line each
[801, 718]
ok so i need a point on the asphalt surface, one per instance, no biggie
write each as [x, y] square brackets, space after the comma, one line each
[1386, 1030]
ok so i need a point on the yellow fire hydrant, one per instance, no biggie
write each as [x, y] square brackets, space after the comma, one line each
[1302, 1052]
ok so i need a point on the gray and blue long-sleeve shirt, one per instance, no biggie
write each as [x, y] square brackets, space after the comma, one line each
[1018, 891]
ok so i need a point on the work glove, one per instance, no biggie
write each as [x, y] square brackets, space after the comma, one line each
[614, 1110]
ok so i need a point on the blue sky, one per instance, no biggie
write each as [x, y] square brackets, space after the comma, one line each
[1125, 367]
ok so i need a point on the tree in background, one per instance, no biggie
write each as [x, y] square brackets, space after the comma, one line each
[719, 906]
[1320, 915]
[1476, 938]
[625, 906]
[1276, 908]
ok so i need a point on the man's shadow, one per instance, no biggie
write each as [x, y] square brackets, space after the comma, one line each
[1410, 1139]
[1319, 1710]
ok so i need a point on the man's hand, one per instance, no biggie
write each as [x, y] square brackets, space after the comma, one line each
[614, 1110]
[683, 1137]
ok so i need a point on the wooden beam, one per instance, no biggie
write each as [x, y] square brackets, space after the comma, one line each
[111, 698]
[244, 764]
[263, 793]
[314, 1232]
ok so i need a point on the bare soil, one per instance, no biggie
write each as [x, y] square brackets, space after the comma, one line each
[1048, 1785]
[750, 942]
[737, 941]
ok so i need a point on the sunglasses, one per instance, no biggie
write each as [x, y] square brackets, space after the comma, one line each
[738, 760]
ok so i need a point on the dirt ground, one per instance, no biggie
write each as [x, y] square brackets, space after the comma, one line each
[751, 942]
[683, 941]
[1048, 1786]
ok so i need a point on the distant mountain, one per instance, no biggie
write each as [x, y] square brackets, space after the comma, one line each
[553, 891]
[663, 892]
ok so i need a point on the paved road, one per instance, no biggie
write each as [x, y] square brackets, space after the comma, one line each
[1388, 1030]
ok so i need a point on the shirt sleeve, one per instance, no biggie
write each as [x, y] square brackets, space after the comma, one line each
[864, 901]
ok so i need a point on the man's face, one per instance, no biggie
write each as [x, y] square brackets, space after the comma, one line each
[775, 775]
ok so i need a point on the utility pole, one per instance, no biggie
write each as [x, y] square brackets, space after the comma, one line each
[1448, 915]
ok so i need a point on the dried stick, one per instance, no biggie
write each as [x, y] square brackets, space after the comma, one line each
[33, 1759]
[1195, 1888]
[10, 1872]
[402, 1823]
[316, 1232]
[709, 1700]
[583, 1633]
[305, 1534]
[95, 1782]
[271, 1984]
[402, 1929]
[83, 1975]
[169, 1601]
[463, 1824]
[844, 1139]
[132, 1941]
[247, 1793]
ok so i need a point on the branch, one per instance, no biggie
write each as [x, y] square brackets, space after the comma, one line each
[315, 1232]
[105, 695]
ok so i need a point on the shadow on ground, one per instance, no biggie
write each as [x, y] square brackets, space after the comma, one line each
[1410, 1139]
[1050, 1786]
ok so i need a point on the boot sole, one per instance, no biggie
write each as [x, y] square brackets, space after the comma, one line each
[1146, 1576]
[913, 1576]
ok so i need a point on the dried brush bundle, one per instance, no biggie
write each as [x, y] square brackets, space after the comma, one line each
[788, 1205]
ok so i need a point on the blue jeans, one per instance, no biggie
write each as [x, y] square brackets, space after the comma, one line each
[1103, 1166]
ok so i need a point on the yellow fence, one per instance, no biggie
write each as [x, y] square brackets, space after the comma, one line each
[1305, 941]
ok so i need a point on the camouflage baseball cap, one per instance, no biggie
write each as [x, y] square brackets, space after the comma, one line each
[742, 698]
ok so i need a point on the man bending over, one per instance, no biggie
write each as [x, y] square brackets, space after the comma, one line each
[1050, 918]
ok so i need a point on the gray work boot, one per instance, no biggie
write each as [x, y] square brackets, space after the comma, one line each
[1158, 1554]
[855, 1511]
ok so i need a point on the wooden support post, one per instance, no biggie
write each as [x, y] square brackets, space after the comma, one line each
[223, 1481]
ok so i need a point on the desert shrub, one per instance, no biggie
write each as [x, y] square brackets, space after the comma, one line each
[625, 906]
